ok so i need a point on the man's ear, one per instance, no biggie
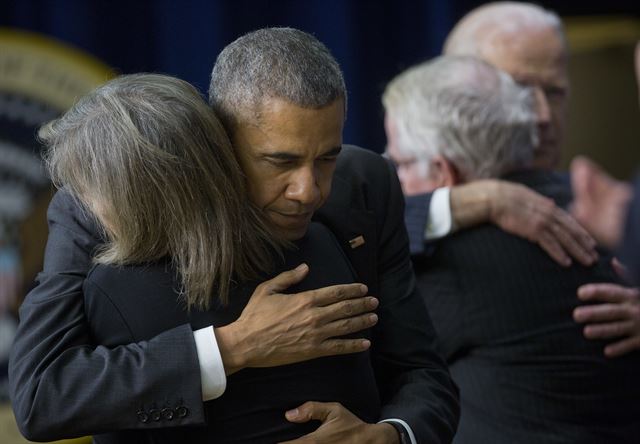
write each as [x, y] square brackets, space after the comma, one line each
[443, 172]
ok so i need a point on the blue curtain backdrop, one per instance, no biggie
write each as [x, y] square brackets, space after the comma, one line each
[372, 39]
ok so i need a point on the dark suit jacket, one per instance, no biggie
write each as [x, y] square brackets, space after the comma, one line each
[62, 386]
[503, 311]
[416, 216]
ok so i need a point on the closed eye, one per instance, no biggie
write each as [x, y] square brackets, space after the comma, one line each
[280, 163]
[328, 159]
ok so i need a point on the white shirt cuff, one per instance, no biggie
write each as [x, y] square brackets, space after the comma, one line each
[439, 222]
[213, 378]
[412, 437]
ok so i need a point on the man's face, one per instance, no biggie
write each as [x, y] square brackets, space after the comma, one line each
[537, 57]
[410, 170]
[289, 155]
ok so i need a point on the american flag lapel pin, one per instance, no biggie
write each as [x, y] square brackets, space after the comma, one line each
[356, 242]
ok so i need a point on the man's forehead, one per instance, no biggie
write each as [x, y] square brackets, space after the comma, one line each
[529, 62]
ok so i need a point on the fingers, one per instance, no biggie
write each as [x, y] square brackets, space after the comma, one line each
[332, 347]
[347, 309]
[564, 238]
[607, 292]
[347, 326]
[336, 293]
[580, 180]
[608, 330]
[311, 410]
[528, 214]
[618, 317]
[285, 279]
[602, 313]
[619, 268]
[550, 244]
[622, 347]
[574, 239]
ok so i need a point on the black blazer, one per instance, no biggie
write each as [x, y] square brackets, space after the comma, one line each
[118, 303]
[62, 385]
[503, 310]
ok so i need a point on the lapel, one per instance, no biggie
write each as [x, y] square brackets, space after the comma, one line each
[348, 218]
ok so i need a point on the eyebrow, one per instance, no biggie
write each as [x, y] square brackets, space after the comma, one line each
[282, 155]
[332, 152]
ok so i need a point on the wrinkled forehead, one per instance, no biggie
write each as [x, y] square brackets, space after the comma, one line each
[535, 54]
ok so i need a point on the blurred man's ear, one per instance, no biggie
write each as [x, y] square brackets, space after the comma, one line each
[443, 172]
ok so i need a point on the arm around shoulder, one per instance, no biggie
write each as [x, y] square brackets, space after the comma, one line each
[62, 385]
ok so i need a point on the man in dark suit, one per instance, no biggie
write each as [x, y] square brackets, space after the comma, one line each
[502, 308]
[282, 98]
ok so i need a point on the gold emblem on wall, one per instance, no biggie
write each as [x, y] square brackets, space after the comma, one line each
[40, 78]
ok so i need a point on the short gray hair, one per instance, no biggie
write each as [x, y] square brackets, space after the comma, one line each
[480, 28]
[282, 63]
[466, 110]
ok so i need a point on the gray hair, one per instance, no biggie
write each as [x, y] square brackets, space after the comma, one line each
[464, 109]
[150, 159]
[484, 25]
[282, 63]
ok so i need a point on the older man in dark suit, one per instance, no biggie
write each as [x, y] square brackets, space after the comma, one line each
[501, 306]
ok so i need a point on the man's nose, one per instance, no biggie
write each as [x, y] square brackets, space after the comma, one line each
[543, 111]
[304, 186]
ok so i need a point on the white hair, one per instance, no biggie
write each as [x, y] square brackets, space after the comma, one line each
[465, 110]
[484, 26]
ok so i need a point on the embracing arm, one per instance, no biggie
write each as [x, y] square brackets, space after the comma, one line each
[514, 208]
[60, 384]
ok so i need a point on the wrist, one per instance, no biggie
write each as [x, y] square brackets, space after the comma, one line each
[387, 433]
[229, 344]
[494, 197]
[473, 203]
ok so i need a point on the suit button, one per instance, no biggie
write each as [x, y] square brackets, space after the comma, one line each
[182, 411]
[167, 414]
[154, 414]
[142, 416]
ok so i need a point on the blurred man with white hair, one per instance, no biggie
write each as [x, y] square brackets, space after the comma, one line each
[528, 42]
[502, 308]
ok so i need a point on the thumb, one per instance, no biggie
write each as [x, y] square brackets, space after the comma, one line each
[619, 268]
[287, 278]
[581, 176]
[319, 411]
[582, 184]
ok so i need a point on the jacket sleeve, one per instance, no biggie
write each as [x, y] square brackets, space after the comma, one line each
[629, 249]
[416, 217]
[414, 380]
[61, 385]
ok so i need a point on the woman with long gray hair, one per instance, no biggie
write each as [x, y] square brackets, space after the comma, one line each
[182, 246]
[147, 157]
